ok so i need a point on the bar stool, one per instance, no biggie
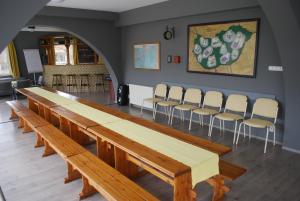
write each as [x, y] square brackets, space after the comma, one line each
[84, 82]
[71, 82]
[99, 81]
[57, 81]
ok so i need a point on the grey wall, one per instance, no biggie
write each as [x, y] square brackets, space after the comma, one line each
[283, 19]
[270, 83]
[13, 16]
[180, 8]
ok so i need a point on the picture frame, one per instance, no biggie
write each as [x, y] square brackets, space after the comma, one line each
[223, 48]
[146, 56]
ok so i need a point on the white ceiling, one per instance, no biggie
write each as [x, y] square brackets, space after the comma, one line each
[103, 5]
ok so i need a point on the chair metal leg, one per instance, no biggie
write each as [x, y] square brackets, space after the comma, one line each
[238, 135]
[274, 138]
[191, 117]
[250, 135]
[172, 116]
[234, 134]
[221, 129]
[211, 126]
[266, 142]
[245, 131]
[210, 119]
[155, 110]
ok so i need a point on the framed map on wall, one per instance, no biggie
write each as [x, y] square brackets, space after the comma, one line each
[226, 48]
[147, 56]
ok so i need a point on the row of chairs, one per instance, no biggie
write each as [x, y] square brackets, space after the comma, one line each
[264, 111]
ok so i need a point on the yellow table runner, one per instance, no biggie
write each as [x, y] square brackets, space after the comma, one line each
[204, 164]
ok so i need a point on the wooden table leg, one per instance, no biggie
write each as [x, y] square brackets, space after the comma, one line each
[219, 188]
[77, 135]
[41, 111]
[87, 189]
[73, 174]
[183, 187]
[105, 152]
[47, 114]
[32, 106]
[124, 166]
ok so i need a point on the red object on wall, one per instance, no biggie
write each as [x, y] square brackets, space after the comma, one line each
[177, 60]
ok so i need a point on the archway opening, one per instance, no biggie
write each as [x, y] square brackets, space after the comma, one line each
[57, 48]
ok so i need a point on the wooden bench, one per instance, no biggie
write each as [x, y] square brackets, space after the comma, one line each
[105, 179]
[27, 118]
[15, 106]
[99, 176]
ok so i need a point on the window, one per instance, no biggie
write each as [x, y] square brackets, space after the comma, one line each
[4, 63]
[61, 56]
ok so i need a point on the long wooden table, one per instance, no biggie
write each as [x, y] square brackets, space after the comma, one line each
[120, 152]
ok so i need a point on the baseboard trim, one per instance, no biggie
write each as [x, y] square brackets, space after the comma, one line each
[291, 150]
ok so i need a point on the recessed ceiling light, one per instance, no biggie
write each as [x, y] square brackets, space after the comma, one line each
[57, 1]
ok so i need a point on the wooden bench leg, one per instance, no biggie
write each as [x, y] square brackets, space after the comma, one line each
[72, 174]
[13, 115]
[87, 189]
[105, 152]
[26, 128]
[48, 149]
[39, 141]
[183, 187]
[219, 187]
[123, 165]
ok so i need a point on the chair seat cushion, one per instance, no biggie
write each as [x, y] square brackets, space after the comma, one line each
[229, 116]
[205, 111]
[185, 107]
[153, 100]
[258, 123]
[168, 103]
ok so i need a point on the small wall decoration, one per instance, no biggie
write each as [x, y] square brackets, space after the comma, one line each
[147, 56]
[226, 48]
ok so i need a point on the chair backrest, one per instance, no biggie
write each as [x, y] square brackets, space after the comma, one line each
[192, 96]
[175, 93]
[213, 99]
[236, 103]
[161, 90]
[265, 107]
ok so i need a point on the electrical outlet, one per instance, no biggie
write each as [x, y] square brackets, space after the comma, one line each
[275, 68]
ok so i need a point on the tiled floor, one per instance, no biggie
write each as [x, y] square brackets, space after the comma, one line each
[26, 176]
